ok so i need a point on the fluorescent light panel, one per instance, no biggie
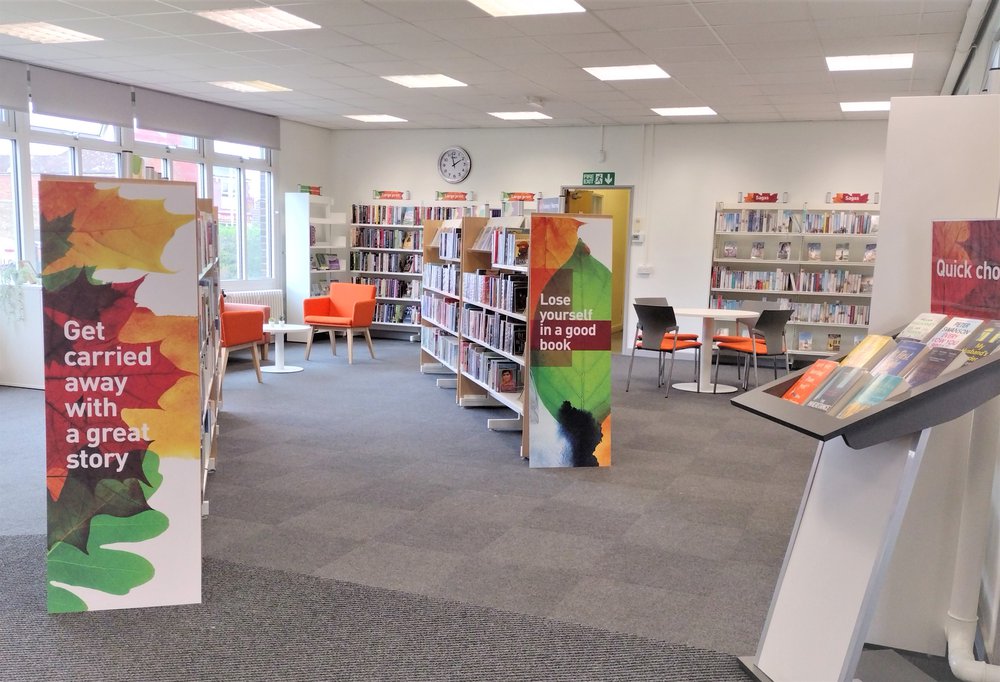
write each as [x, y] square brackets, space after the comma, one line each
[626, 73]
[42, 32]
[864, 106]
[685, 111]
[426, 80]
[375, 118]
[520, 115]
[870, 62]
[258, 19]
[518, 8]
[251, 86]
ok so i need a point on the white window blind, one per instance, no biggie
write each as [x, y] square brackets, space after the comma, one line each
[13, 85]
[58, 93]
[175, 114]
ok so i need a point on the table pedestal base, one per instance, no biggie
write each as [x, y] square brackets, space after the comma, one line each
[693, 387]
[286, 369]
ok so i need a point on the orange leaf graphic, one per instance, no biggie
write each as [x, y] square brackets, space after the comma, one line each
[109, 231]
[178, 333]
[174, 433]
[553, 241]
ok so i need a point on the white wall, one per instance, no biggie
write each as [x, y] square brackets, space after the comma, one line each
[679, 173]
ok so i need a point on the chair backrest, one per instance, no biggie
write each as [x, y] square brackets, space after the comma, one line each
[652, 300]
[770, 328]
[756, 307]
[343, 296]
[655, 321]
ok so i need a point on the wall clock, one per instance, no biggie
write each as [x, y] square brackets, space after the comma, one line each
[454, 164]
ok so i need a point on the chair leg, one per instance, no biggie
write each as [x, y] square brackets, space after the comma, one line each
[264, 348]
[309, 341]
[223, 361]
[718, 361]
[368, 338]
[628, 380]
[333, 342]
[350, 346]
[256, 362]
[670, 374]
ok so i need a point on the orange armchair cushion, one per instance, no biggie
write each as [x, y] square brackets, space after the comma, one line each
[347, 305]
[241, 326]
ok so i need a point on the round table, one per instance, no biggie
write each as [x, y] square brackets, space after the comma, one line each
[279, 329]
[708, 317]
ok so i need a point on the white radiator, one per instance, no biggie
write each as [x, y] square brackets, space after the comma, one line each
[272, 297]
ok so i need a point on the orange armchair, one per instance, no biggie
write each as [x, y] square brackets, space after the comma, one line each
[348, 308]
[240, 329]
[266, 309]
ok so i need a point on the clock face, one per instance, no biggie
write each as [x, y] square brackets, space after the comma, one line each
[454, 164]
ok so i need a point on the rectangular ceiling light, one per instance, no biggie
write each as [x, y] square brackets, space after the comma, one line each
[626, 73]
[375, 118]
[864, 106]
[251, 86]
[42, 32]
[519, 8]
[685, 111]
[870, 62]
[426, 80]
[520, 115]
[258, 19]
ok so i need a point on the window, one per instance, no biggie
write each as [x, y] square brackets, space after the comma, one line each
[244, 151]
[97, 163]
[8, 203]
[46, 159]
[243, 200]
[69, 126]
[171, 140]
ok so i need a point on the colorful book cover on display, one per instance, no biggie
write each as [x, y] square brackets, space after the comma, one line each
[814, 376]
[757, 250]
[986, 340]
[784, 250]
[805, 340]
[876, 391]
[838, 389]
[965, 268]
[569, 310]
[869, 351]
[955, 332]
[122, 393]
[906, 352]
[922, 327]
[813, 251]
[934, 363]
[729, 249]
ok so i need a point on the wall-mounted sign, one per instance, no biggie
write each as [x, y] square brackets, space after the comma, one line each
[965, 268]
[517, 196]
[599, 178]
[848, 198]
[452, 196]
[760, 197]
[388, 194]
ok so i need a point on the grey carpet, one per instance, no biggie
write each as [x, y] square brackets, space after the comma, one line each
[261, 624]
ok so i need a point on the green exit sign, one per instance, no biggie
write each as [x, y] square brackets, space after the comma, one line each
[599, 178]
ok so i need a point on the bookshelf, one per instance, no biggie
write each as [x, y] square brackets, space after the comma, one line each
[316, 249]
[440, 300]
[209, 348]
[819, 261]
[387, 250]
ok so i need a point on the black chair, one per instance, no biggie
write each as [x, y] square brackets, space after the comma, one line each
[767, 339]
[659, 322]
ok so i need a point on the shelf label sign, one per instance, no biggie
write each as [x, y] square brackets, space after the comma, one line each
[599, 178]
[387, 194]
[965, 268]
[122, 393]
[569, 316]
[452, 196]
[849, 198]
[760, 197]
[517, 196]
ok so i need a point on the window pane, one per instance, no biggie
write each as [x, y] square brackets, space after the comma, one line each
[46, 159]
[152, 165]
[226, 195]
[101, 164]
[71, 126]
[166, 139]
[244, 151]
[8, 206]
[188, 171]
[258, 224]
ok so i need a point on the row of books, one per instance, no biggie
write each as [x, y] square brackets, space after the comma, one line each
[449, 243]
[441, 345]
[828, 281]
[751, 280]
[797, 221]
[839, 222]
[382, 238]
[441, 277]
[491, 368]
[752, 220]
[324, 261]
[441, 311]
[493, 329]
[397, 313]
[813, 251]
[833, 341]
[388, 287]
[391, 214]
[881, 367]
[510, 248]
[507, 291]
[829, 313]
[833, 282]
[386, 262]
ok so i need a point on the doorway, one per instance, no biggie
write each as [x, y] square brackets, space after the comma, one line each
[615, 202]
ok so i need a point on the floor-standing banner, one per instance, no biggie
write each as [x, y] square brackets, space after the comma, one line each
[122, 407]
[965, 268]
[569, 402]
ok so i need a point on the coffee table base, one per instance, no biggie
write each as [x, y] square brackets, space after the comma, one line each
[287, 369]
[692, 387]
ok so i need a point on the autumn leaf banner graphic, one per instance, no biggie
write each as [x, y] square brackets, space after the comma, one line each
[122, 407]
[965, 268]
[569, 310]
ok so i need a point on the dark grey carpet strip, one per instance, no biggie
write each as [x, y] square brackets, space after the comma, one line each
[259, 624]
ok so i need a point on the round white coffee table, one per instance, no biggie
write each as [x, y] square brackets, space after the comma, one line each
[279, 329]
[708, 317]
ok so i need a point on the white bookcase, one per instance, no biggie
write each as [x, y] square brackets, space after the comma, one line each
[316, 249]
[817, 260]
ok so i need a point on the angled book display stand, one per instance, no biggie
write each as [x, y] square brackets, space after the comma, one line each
[850, 516]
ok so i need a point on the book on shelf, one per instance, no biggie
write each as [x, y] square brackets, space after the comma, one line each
[332, 262]
[813, 251]
[838, 389]
[870, 251]
[955, 332]
[757, 250]
[521, 250]
[869, 351]
[784, 250]
[321, 263]
[986, 340]
[842, 251]
[867, 284]
[810, 380]
[729, 249]
[407, 216]
[875, 392]
[833, 342]
[508, 377]
[922, 327]
[936, 361]
[898, 362]
[407, 242]
[805, 340]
